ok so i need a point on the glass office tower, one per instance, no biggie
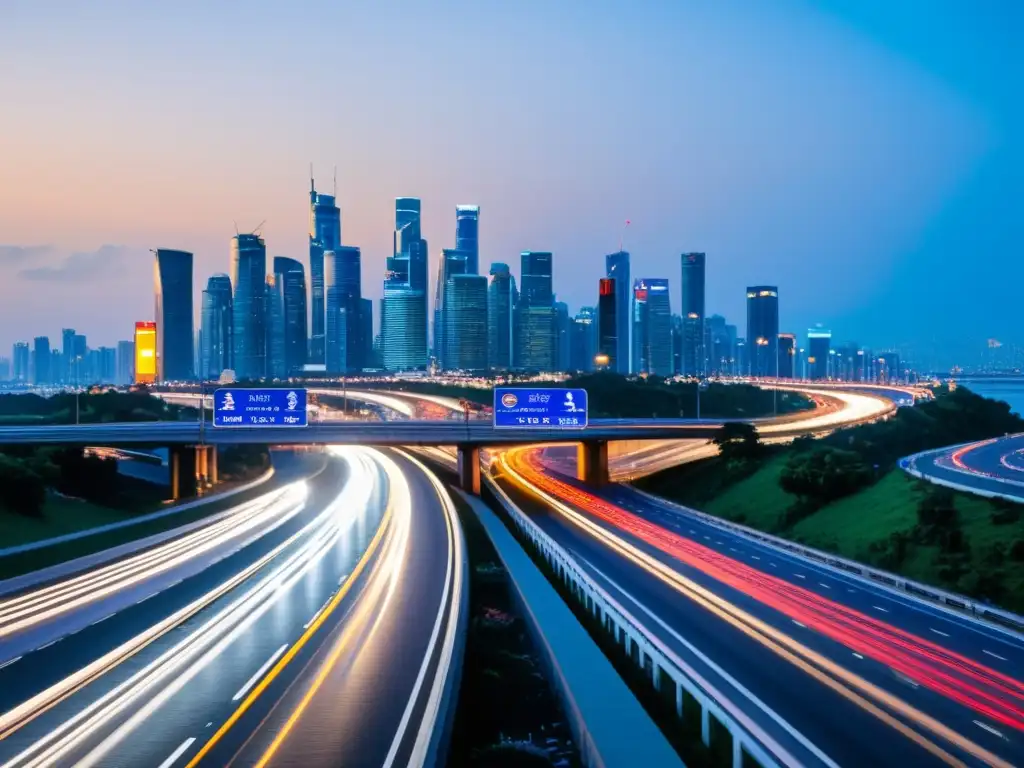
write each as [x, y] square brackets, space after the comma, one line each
[762, 330]
[216, 322]
[583, 340]
[819, 348]
[536, 310]
[342, 278]
[404, 305]
[608, 324]
[452, 262]
[617, 268]
[324, 235]
[694, 354]
[290, 276]
[652, 327]
[501, 299]
[467, 235]
[249, 282]
[175, 331]
[465, 318]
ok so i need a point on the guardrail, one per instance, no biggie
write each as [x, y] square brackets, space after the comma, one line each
[909, 465]
[964, 605]
[644, 647]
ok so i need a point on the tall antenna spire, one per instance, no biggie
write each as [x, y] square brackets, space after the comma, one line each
[335, 182]
[621, 234]
[312, 186]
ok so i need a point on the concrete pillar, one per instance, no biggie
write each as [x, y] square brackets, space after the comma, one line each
[592, 462]
[201, 455]
[469, 468]
[183, 471]
[214, 477]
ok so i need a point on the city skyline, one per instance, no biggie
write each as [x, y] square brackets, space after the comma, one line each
[852, 181]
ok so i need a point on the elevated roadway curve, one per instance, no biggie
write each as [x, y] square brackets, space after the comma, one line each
[354, 597]
[992, 468]
[863, 675]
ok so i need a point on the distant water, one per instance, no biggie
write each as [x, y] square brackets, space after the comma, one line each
[1010, 389]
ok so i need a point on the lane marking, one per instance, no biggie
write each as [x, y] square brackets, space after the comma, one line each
[177, 753]
[733, 549]
[341, 581]
[939, 632]
[995, 655]
[773, 565]
[139, 602]
[755, 557]
[52, 642]
[880, 608]
[9, 662]
[802, 626]
[989, 728]
[858, 656]
[799, 575]
[103, 619]
[259, 673]
[823, 584]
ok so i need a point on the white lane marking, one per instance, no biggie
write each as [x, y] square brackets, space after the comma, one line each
[103, 619]
[802, 626]
[733, 549]
[259, 673]
[799, 575]
[755, 557]
[880, 608]
[693, 532]
[857, 655]
[851, 591]
[209, 724]
[177, 753]
[707, 538]
[319, 611]
[9, 662]
[994, 655]
[989, 728]
[905, 679]
[823, 584]
[342, 579]
[52, 642]
[154, 594]
[939, 632]
[773, 565]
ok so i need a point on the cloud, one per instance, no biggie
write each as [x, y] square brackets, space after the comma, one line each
[80, 266]
[11, 255]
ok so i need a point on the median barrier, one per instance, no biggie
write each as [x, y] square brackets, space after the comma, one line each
[662, 665]
[964, 606]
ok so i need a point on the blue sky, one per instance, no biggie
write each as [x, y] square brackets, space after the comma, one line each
[865, 156]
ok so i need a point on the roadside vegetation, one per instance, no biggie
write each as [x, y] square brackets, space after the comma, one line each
[98, 407]
[845, 494]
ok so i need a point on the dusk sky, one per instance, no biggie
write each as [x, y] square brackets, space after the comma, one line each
[865, 155]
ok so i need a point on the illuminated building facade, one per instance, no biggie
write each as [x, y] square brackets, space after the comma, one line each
[762, 330]
[145, 353]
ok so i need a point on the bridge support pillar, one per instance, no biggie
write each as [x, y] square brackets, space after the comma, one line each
[469, 468]
[183, 460]
[211, 464]
[592, 462]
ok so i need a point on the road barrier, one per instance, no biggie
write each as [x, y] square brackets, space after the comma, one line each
[663, 666]
[963, 605]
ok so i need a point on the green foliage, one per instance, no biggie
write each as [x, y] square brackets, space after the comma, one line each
[22, 490]
[102, 407]
[824, 474]
[738, 441]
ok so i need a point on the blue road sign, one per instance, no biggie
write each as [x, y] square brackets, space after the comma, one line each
[259, 408]
[540, 408]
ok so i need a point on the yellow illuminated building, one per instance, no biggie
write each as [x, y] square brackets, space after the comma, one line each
[145, 353]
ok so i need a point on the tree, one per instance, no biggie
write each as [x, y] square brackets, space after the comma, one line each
[824, 474]
[21, 490]
[737, 440]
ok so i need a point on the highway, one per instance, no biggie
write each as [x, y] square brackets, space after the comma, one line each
[988, 467]
[834, 668]
[238, 652]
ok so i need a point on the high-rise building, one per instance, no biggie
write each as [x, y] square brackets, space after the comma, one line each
[536, 311]
[67, 337]
[465, 318]
[694, 337]
[175, 331]
[583, 340]
[652, 327]
[216, 322]
[21, 357]
[677, 344]
[5, 369]
[819, 352]
[249, 281]
[324, 235]
[275, 328]
[720, 352]
[849, 362]
[290, 278]
[762, 330]
[467, 235]
[366, 332]
[452, 262]
[890, 368]
[500, 316]
[787, 355]
[404, 306]
[617, 267]
[125, 363]
[342, 278]
[41, 359]
[106, 366]
[80, 373]
[563, 336]
[608, 324]
[145, 352]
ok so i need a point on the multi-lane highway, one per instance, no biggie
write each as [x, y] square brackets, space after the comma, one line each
[989, 467]
[234, 643]
[837, 670]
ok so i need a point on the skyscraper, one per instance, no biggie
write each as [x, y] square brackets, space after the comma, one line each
[819, 347]
[762, 330]
[694, 352]
[41, 358]
[342, 278]
[617, 268]
[21, 359]
[175, 330]
[652, 327]
[787, 355]
[324, 235]
[536, 311]
[404, 307]
[290, 278]
[452, 262]
[467, 235]
[608, 322]
[67, 337]
[500, 314]
[583, 340]
[249, 281]
[562, 340]
[145, 352]
[216, 321]
[125, 362]
[366, 332]
[465, 318]
[275, 328]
